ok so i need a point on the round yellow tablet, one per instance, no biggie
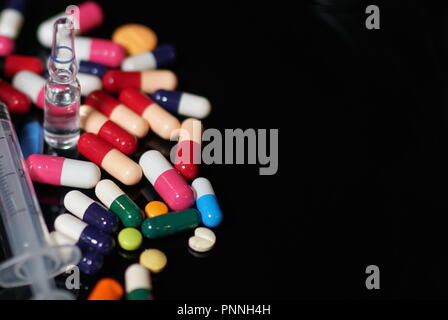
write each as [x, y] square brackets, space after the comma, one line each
[153, 259]
[135, 38]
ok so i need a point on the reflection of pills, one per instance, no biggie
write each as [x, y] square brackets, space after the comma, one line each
[203, 240]
[155, 208]
[135, 38]
[130, 239]
[153, 259]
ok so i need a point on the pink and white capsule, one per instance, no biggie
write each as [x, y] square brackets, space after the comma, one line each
[101, 51]
[167, 181]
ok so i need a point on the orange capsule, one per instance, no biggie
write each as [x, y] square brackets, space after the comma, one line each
[107, 289]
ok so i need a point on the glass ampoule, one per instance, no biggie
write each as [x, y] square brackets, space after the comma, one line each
[62, 89]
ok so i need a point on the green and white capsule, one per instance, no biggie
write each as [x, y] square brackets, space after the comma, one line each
[138, 283]
[119, 203]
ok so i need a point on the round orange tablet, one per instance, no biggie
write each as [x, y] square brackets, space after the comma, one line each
[135, 38]
[107, 289]
[155, 208]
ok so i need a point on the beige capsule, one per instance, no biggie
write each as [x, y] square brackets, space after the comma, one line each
[130, 121]
[91, 120]
[161, 121]
[153, 80]
[122, 167]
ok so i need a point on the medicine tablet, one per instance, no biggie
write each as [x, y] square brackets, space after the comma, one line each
[135, 38]
[153, 259]
[155, 208]
[203, 240]
[107, 289]
[130, 239]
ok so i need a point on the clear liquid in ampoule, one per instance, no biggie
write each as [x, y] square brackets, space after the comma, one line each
[62, 90]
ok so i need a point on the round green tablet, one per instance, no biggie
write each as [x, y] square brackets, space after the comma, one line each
[130, 239]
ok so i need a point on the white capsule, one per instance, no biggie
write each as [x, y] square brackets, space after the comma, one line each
[32, 85]
[154, 164]
[107, 191]
[137, 277]
[59, 239]
[80, 174]
[141, 62]
[77, 203]
[89, 83]
[11, 22]
[70, 226]
[203, 240]
[194, 106]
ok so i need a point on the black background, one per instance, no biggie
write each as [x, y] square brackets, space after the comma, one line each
[362, 165]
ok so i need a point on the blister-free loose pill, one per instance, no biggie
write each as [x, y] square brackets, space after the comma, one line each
[203, 240]
[168, 224]
[155, 208]
[135, 38]
[149, 81]
[130, 239]
[138, 283]
[107, 289]
[153, 259]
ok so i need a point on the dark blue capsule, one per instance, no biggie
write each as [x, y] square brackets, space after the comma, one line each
[170, 100]
[96, 239]
[91, 261]
[97, 216]
[96, 69]
[19, 5]
[164, 55]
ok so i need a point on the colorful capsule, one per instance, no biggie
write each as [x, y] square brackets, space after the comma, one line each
[118, 113]
[183, 103]
[188, 153]
[90, 17]
[160, 57]
[85, 235]
[93, 68]
[12, 64]
[90, 211]
[15, 100]
[148, 81]
[11, 21]
[32, 85]
[168, 183]
[161, 121]
[101, 51]
[59, 171]
[113, 161]
[91, 261]
[207, 203]
[107, 289]
[97, 123]
[138, 283]
[136, 38]
[119, 203]
[32, 139]
[171, 223]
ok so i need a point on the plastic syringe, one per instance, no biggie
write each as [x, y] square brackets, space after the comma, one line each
[35, 261]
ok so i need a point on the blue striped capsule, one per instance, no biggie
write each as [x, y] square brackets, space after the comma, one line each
[32, 139]
[206, 202]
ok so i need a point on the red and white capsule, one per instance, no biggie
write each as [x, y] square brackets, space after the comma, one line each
[161, 121]
[188, 152]
[97, 123]
[110, 159]
[118, 113]
[32, 85]
[167, 181]
[16, 101]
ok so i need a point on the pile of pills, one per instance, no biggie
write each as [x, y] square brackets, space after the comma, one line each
[127, 97]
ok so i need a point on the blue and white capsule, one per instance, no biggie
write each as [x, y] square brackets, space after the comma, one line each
[91, 261]
[32, 139]
[160, 57]
[86, 236]
[93, 68]
[206, 202]
[90, 211]
[183, 103]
